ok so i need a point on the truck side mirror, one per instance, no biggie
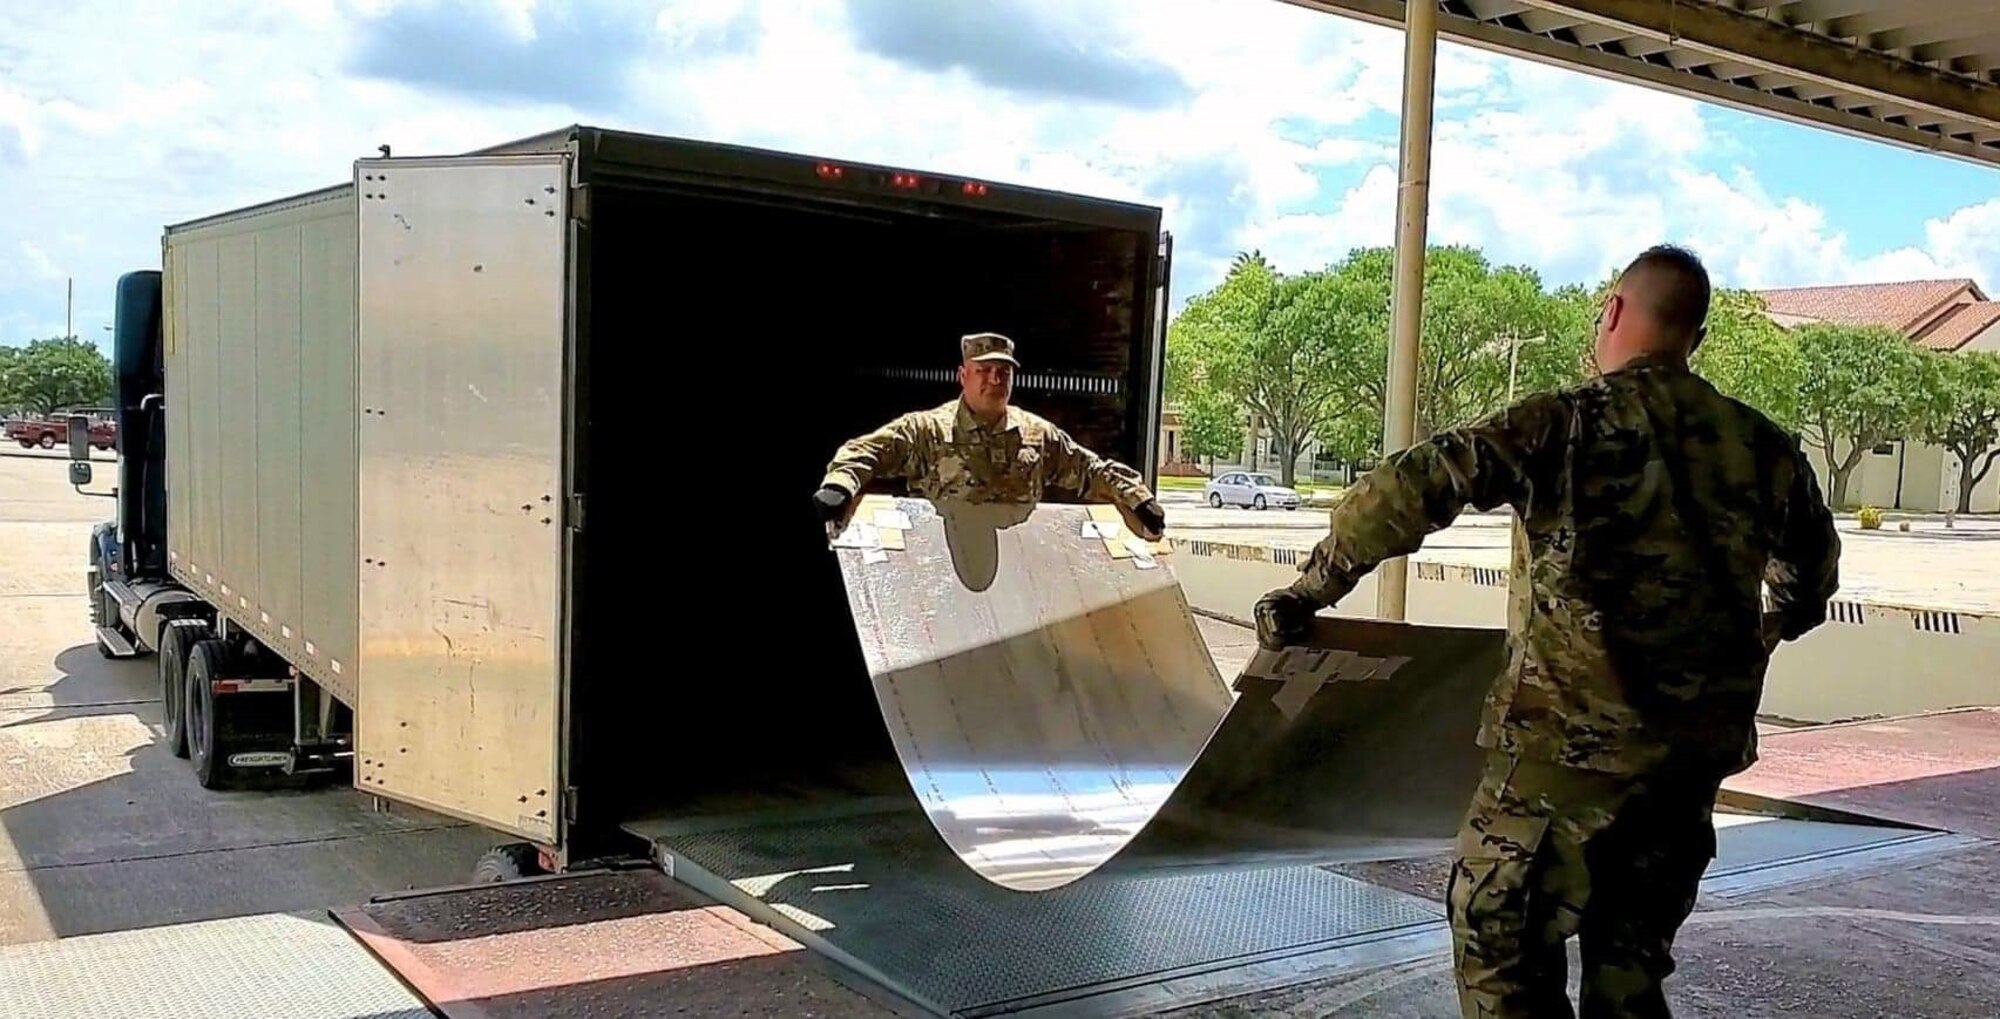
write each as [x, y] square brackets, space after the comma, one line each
[79, 439]
[79, 473]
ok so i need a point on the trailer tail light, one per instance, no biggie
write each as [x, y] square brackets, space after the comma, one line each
[828, 171]
[973, 188]
[905, 180]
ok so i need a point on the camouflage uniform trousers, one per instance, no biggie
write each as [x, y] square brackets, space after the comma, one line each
[1548, 852]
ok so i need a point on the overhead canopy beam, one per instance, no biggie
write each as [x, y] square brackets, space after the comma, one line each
[1761, 42]
[1595, 49]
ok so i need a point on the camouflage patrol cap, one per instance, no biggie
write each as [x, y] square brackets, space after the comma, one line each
[987, 347]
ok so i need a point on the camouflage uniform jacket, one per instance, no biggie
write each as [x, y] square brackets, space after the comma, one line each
[946, 453]
[1653, 507]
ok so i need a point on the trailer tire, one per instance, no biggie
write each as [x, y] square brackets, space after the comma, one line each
[510, 862]
[175, 639]
[206, 747]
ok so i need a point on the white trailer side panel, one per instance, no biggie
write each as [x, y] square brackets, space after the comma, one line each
[463, 283]
[262, 509]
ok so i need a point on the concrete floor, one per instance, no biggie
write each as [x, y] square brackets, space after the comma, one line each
[1930, 567]
[100, 829]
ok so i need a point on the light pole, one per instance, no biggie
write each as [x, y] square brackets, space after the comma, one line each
[1513, 361]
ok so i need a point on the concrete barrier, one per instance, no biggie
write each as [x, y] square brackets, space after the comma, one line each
[1868, 660]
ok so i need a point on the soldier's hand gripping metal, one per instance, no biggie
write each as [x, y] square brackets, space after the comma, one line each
[1283, 617]
[831, 505]
[1152, 517]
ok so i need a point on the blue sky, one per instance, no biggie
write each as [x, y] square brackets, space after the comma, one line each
[1252, 123]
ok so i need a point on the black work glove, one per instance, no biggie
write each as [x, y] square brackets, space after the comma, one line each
[1283, 617]
[830, 503]
[1152, 517]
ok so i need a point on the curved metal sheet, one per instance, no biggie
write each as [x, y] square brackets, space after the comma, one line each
[1050, 698]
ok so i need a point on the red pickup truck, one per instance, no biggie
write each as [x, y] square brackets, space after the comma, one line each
[51, 432]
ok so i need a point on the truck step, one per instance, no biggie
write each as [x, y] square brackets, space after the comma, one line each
[118, 643]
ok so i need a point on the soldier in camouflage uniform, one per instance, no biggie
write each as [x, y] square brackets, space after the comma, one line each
[1655, 509]
[979, 448]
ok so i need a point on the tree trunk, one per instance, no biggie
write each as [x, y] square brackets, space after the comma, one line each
[1969, 478]
[1843, 472]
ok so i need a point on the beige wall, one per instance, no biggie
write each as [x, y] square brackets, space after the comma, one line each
[1989, 339]
[1867, 660]
[1928, 474]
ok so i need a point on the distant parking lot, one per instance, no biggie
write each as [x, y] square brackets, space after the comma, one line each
[1929, 567]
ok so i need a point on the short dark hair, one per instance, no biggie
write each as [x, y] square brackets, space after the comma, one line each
[1672, 285]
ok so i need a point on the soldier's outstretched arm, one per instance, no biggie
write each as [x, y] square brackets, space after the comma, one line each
[885, 452]
[1072, 466]
[1805, 567]
[1496, 462]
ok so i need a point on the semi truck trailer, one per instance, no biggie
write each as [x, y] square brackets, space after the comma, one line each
[480, 481]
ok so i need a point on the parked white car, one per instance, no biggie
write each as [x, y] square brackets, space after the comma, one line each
[1243, 488]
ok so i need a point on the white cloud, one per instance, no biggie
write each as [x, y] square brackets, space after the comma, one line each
[1250, 124]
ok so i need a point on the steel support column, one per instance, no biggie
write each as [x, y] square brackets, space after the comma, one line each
[1399, 411]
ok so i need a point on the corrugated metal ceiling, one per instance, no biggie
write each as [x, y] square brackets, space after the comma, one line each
[1920, 73]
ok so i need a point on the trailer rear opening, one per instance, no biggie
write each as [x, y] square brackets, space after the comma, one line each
[736, 340]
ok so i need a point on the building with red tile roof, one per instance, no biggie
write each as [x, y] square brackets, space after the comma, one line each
[1946, 315]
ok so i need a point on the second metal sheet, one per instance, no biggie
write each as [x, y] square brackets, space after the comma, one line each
[1049, 696]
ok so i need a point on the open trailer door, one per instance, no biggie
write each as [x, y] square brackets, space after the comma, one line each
[1156, 352]
[463, 283]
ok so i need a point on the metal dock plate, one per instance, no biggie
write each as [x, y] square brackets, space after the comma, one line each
[1049, 696]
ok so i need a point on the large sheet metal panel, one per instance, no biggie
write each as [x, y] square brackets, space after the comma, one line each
[462, 287]
[260, 420]
[1050, 697]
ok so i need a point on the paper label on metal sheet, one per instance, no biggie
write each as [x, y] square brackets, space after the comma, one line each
[859, 535]
[1142, 553]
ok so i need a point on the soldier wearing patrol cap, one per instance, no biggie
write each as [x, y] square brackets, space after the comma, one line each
[1656, 510]
[981, 448]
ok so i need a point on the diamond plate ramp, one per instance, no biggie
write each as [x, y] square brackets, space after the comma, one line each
[881, 894]
[1050, 699]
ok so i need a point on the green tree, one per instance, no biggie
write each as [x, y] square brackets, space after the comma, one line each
[1961, 412]
[1474, 315]
[1749, 357]
[1211, 421]
[49, 375]
[1861, 386]
[1211, 426]
[1260, 341]
[9, 404]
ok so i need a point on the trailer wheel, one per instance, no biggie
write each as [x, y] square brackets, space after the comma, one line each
[510, 862]
[175, 639]
[207, 749]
